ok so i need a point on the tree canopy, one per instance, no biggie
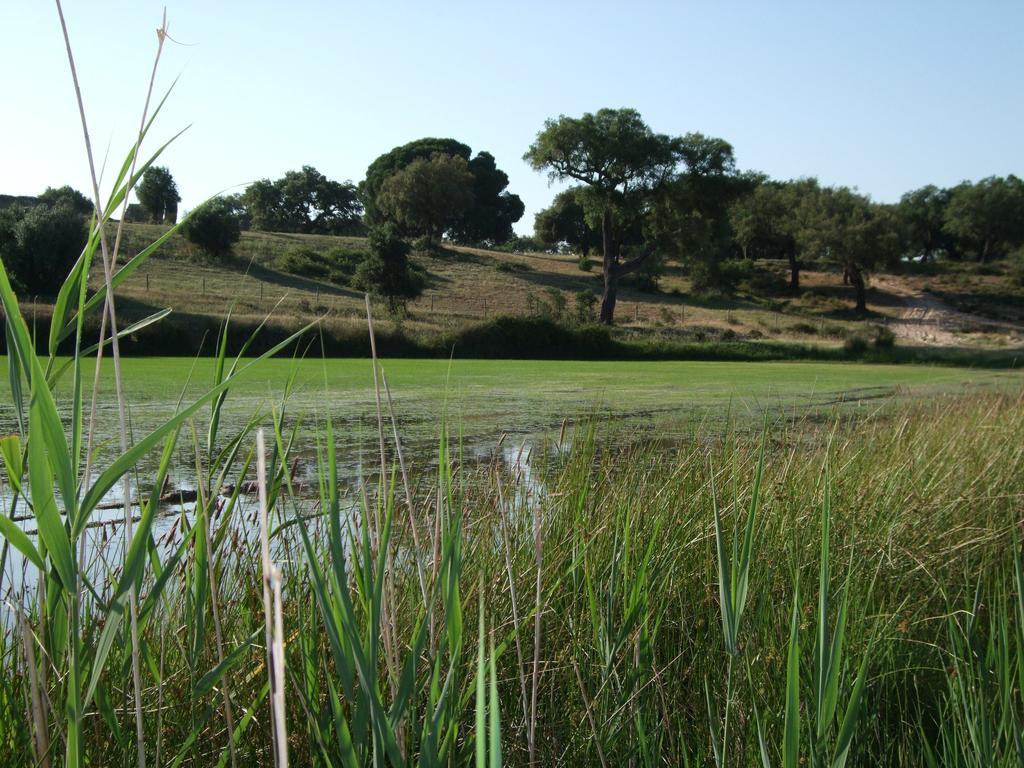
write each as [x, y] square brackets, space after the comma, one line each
[69, 196]
[493, 210]
[158, 195]
[427, 196]
[304, 201]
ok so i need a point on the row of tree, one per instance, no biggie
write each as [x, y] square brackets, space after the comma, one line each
[643, 196]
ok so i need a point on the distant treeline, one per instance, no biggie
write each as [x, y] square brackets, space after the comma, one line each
[639, 198]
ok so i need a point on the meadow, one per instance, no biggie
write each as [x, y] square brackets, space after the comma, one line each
[484, 399]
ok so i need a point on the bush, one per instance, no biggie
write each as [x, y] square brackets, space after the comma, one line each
[213, 227]
[338, 265]
[855, 345]
[884, 338]
[552, 306]
[40, 245]
[645, 278]
[586, 306]
[305, 262]
[585, 263]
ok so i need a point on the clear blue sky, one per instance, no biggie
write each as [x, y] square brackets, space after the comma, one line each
[884, 96]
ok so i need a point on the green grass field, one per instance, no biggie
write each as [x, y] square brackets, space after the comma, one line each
[484, 398]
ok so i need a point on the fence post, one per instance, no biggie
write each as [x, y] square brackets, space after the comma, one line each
[147, 282]
[261, 291]
[636, 312]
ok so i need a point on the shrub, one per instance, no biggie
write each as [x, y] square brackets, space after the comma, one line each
[884, 338]
[551, 306]
[585, 263]
[855, 345]
[645, 278]
[40, 245]
[213, 227]
[338, 265]
[513, 266]
[586, 306]
[304, 261]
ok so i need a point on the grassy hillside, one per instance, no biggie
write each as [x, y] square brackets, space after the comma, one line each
[467, 286]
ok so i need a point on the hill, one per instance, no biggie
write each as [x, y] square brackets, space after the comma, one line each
[966, 308]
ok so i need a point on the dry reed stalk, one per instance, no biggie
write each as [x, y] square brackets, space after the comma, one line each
[538, 545]
[273, 633]
[520, 666]
[590, 714]
[225, 686]
[40, 735]
[277, 671]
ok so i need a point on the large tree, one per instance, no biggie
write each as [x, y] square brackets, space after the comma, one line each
[427, 196]
[304, 201]
[622, 161]
[493, 210]
[158, 195]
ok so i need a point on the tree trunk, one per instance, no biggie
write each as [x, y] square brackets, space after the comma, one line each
[611, 277]
[794, 272]
[857, 279]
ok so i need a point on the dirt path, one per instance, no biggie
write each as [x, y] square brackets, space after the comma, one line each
[926, 319]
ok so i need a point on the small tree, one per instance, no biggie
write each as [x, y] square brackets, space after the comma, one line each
[40, 245]
[158, 195]
[387, 272]
[214, 227]
[428, 195]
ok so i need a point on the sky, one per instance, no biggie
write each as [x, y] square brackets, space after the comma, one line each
[881, 96]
